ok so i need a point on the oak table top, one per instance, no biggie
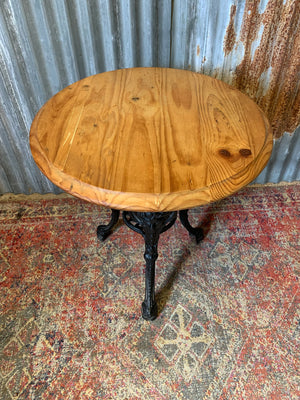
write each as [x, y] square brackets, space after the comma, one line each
[150, 139]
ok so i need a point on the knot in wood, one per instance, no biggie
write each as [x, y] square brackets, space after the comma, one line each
[245, 152]
[224, 153]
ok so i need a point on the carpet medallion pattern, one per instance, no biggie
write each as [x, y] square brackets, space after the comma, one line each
[228, 324]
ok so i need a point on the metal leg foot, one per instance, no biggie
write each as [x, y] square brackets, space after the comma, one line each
[197, 232]
[103, 231]
[150, 225]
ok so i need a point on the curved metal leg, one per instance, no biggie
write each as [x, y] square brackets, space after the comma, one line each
[197, 232]
[150, 225]
[103, 231]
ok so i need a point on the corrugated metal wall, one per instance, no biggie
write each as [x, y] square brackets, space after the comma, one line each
[48, 44]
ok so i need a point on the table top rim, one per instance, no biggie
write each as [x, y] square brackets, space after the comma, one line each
[127, 200]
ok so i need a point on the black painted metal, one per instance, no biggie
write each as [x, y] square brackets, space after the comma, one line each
[103, 231]
[197, 232]
[150, 225]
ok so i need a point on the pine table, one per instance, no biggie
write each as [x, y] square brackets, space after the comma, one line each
[150, 142]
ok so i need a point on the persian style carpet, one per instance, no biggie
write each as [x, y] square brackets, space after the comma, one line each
[228, 324]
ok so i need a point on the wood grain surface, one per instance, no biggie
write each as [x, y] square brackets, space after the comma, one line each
[150, 139]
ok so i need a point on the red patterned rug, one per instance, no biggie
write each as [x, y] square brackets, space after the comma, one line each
[228, 325]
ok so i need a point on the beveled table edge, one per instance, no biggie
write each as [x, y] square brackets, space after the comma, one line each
[150, 202]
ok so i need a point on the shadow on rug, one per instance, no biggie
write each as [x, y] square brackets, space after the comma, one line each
[228, 307]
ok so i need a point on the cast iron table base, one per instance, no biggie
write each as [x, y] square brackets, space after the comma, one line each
[150, 225]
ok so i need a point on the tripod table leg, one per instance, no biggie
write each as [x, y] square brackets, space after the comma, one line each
[103, 231]
[197, 232]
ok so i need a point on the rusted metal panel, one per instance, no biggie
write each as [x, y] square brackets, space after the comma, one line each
[46, 45]
[269, 71]
[253, 45]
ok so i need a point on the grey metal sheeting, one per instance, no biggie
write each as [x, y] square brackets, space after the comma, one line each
[46, 45]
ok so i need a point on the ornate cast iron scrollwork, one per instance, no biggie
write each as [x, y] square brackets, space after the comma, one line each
[150, 225]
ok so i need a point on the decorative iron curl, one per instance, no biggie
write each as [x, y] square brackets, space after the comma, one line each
[139, 221]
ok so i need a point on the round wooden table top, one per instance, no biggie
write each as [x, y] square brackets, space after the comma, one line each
[150, 139]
